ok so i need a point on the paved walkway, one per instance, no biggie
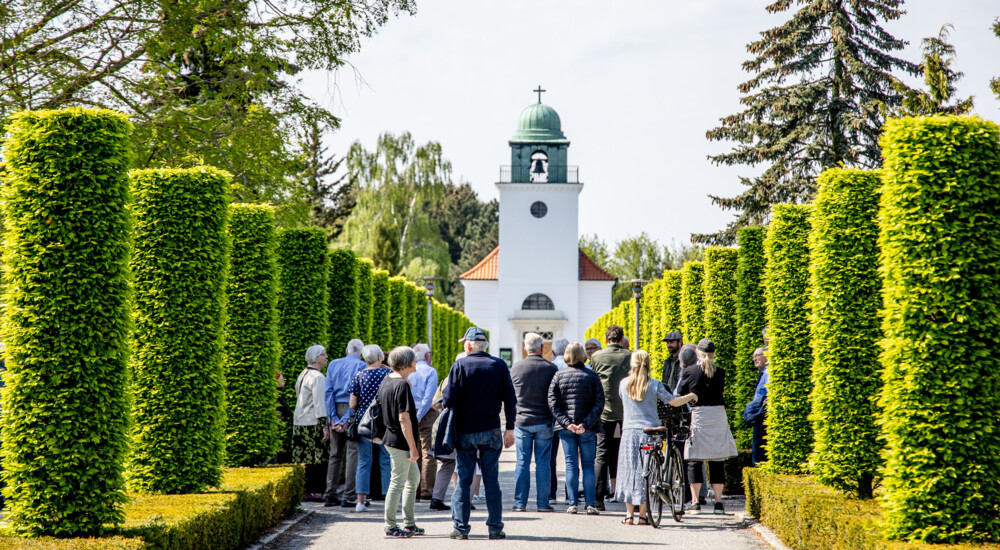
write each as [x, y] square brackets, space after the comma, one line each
[330, 528]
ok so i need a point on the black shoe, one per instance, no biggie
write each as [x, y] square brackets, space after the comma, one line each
[472, 506]
[498, 535]
[719, 508]
[331, 502]
[702, 502]
[546, 509]
[600, 506]
[517, 509]
[439, 505]
[460, 536]
[347, 504]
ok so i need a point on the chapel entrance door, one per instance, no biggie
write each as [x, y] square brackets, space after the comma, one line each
[546, 345]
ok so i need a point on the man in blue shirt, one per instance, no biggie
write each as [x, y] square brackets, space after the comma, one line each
[478, 385]
[756, 410]
[339, 375]
[424, 384]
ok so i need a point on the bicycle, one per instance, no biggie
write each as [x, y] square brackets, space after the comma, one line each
[663, 469]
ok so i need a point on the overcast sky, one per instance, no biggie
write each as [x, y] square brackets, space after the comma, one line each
[636, 84]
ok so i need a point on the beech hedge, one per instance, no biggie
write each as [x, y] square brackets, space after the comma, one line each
[179, 268]
[720, 321]
[343, 300]
[381, 310]
[786, 283]
[66, 322]
[365, 309]
[693, 301]
[846, 297]
[302, 299]
[399, 316]
[940, 244]
[252, 337]
[750, 321]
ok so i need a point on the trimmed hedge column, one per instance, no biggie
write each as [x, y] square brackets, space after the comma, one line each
[418, 311]
[786, 280]
[179, 267]
[846, 286]
[940, 242]
[720, 321]
[252, 337]
[381, 310]
[693, 301]
[343, 301]
[399, 318]
[750, 321]
[671, 303]
[66, 321]
[364, 275]
[302, 299]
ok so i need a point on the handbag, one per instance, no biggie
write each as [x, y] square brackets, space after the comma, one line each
[351, 428]
[371, 426]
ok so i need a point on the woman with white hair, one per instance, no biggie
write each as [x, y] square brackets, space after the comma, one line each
[310, 431]
[363, 390]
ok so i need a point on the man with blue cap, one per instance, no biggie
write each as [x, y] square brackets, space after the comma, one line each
[478, 385]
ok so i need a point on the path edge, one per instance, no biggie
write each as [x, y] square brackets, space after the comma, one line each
[762, 531]
[279, 530]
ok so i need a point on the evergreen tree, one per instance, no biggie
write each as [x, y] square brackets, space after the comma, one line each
[995, 83]
[331, 197]
[822, 82]
[940, 79]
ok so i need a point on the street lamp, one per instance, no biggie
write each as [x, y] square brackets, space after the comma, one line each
[637, 285]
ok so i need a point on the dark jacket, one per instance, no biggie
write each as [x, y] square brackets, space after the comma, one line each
[477, 385]
[576, 397]
[709, 390]
[611, 364]
[531, 377]
[671, 371]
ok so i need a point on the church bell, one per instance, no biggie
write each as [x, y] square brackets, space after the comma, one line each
[539, 169]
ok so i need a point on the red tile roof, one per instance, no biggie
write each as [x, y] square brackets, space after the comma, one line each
[486, 270]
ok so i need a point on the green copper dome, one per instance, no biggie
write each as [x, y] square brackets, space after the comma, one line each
[538, 122]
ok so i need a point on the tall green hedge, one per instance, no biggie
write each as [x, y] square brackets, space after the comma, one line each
[381, 310]
[846, 287]
[418, 309]
[302, 299]
[251, 336]
[364, 273]
[651, 340]
[693, 301]
[671, 303]
[720, 321]
[940, 242]
[66, 320]
[399, 317]
[750, 321]
[343, 300]
[786, 283]
[179, 267]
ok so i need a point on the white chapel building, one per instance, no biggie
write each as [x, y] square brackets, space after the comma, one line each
[537, 279]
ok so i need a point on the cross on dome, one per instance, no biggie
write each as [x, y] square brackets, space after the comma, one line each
[539, 92]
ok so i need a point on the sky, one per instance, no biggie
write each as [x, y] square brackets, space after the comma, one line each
[636, 84]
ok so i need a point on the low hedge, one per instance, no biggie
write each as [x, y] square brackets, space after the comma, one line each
[733, 484]
[248, 501]
[807, 515]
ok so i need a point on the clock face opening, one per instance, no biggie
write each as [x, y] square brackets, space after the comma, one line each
[538, 209]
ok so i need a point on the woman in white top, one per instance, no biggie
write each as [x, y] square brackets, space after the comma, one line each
[310, 431]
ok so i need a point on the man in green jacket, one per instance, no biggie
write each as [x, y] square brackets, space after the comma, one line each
[612, 365]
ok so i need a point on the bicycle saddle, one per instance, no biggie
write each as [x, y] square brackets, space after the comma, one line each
[654, 430]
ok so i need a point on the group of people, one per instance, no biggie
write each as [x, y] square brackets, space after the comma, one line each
[592, 401]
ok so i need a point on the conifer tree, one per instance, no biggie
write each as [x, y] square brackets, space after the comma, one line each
[995, 83]
[940, 79]
[821, 84]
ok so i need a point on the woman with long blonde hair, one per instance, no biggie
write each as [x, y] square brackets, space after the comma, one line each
[711, 440]
[639, 393]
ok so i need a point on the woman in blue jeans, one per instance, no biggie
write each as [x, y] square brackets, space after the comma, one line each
[363, 390]
[576, 399]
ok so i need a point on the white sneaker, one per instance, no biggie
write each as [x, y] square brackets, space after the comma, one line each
[360, 508]
[572, 509]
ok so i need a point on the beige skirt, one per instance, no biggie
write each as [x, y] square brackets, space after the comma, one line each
[710, 436]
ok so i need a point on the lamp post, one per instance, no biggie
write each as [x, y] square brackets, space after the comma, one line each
[429, 292]
[637, 285]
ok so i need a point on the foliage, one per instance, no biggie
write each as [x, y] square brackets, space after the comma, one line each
[596, 249]
[805, 514]
[846, 287]
[720, 321]
[786, 283]
[940, 79]
[649, 327]
[821, 83]
[66, 320]
[940, 246]
[343, 295]
[179, 267]
[302, 298]
[251, 336]
[470, 228]
[671, 303]
[381, 310]
[750, 321]
[693, 301]
[365, 272]
[330, 193]
[399, 314]
[639, 257]
[418, 312]
[995, 83]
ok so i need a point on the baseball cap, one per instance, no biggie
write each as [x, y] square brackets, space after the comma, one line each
[474, 334]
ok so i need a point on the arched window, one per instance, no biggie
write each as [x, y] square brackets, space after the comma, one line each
[537, 301]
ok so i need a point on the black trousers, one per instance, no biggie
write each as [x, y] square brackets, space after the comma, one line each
[606, 461]
[759, 436]
[716, 471]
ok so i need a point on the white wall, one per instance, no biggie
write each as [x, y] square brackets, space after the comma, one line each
[538, 250]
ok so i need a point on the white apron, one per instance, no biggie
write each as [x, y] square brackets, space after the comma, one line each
[710, 436]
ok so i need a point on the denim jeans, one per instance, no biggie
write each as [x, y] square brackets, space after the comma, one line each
[362, 483]
[539, 438]
[482, 448]
[586, 445]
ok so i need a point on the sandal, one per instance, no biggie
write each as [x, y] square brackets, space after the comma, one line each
[643, 521]
[628, 521]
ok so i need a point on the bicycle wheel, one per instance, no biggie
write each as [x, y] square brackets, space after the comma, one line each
[654, 504]
[674, 483]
